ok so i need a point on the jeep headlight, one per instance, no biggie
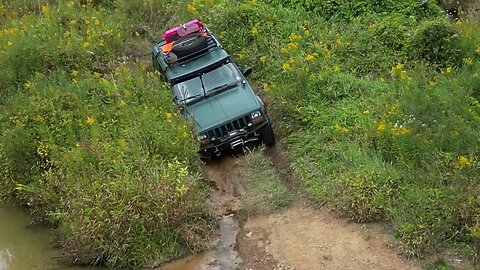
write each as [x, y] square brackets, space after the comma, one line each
[256, 117]
[202, 137]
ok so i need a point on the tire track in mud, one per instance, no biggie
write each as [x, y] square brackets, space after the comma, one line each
[298, 237]
[227, 188]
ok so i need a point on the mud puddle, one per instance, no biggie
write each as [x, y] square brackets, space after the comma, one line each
[227, 188]
[222, 257]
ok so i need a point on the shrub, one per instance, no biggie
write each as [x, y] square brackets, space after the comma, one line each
[438, 43]
[364, 194]
[71, 37]
[425, 217]
[346, 10]
[109, 161]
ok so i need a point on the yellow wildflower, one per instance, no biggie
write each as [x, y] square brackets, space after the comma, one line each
[366, 112]
[341, 128]
[27, 85]
[265, 87]
[77, 144]
[381, 126]
[287, 67]
[263, 59]
[44, 9]
[284, 50]
[96, 22]
[254, 31]
[121, 103]
[74, 73]
[9, 43]
[191, 8]
[122, 143]
[86, 45]
[310, 57]
[291, 60]
[464, 161]
[448, 70]
[399, 131]
[90, 120]
[168, 115]
[294, 37]
[292, 46]
[468, 61]
[185, 134]
[336, 68]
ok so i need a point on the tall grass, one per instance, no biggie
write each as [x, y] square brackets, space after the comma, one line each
[378, 103]
[92, 144]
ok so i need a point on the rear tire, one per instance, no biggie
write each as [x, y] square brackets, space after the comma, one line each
[267, 136]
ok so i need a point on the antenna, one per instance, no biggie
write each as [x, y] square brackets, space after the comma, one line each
[184, 93]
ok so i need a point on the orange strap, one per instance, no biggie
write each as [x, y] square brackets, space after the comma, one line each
[167, 47]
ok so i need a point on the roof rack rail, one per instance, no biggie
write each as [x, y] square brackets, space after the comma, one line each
[186, 42]
[198, 49]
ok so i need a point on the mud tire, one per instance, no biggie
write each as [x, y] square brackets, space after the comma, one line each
[189, 45]
[267, 136]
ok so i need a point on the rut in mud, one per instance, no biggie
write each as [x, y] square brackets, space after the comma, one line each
[227, 188]
[298, 237]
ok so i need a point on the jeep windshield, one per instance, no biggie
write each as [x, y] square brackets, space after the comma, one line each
[215, 81]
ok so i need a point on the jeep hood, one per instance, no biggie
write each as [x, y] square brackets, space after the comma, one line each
[223, 107]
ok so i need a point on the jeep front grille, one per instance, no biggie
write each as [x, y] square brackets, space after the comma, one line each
[223, 130]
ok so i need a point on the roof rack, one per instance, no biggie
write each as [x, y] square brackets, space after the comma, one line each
[186, 42]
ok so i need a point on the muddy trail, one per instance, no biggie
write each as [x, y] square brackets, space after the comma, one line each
[298, 237]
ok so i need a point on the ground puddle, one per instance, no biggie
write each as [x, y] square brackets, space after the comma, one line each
[24, 246]
[223, 257]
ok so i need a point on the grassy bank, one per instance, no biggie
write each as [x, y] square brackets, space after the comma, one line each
[90, 141]
[378, 103]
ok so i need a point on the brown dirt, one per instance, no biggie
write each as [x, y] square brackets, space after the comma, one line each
[302, 238]
[299, 237]
[228, 185]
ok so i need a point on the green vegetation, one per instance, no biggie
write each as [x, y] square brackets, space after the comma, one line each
[268, 192]
[90, 141]
[378, 102]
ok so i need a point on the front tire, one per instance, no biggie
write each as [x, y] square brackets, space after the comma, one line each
[267, 135]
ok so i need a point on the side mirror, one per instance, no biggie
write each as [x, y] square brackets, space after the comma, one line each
[247, 71]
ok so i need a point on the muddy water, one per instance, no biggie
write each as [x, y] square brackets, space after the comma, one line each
[24, 247]
[223, 257]
[227, 188]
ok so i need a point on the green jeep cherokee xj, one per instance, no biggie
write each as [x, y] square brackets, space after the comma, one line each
[211, 90]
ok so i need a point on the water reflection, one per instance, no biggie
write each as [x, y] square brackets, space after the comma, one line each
[25, 247]
[6, 258]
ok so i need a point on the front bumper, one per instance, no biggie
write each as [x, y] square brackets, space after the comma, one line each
[236, 139]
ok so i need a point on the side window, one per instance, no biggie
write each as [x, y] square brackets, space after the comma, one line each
[156, 65]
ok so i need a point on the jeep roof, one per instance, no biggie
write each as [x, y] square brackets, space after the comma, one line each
[210, 88]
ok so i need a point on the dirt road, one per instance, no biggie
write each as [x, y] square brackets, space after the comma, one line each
[298, 237]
